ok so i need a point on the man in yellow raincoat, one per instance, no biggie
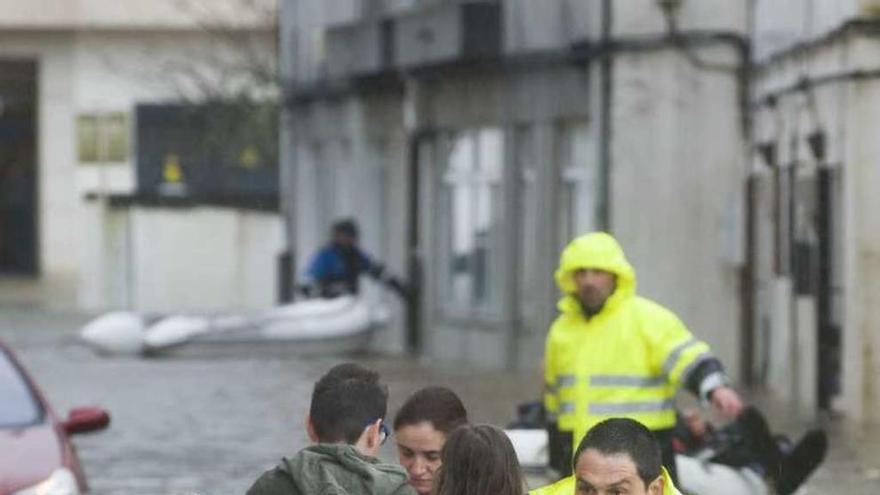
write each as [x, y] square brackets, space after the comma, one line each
[611, 353]
[616, 456]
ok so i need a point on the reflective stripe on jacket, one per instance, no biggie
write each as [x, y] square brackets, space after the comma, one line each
[626, 361]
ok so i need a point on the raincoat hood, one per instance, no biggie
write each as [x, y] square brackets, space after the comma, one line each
[598, 251]
[340, 469]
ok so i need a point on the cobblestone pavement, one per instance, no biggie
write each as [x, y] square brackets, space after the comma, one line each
[211, 425]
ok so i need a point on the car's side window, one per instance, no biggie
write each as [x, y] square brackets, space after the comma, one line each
[18, 406]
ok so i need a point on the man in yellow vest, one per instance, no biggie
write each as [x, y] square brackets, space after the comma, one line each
[611, 353]
[616, 456]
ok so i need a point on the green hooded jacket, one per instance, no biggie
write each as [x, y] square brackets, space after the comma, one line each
[332, 469]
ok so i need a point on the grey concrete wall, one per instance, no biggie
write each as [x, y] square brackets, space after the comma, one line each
[678, 169]
[352, 162]
[531, 26]
[505, 98]
[536, 101]
[307, 21]
[528, 26]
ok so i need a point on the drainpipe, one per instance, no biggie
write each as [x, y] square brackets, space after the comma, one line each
[287, 151]
[748, 286]
[414, 307]
[828, 336]
[415, 135]
[605, 118]
[748, 306]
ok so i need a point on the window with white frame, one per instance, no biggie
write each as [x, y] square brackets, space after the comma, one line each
[578, 180]
[102, 137]
[472, 193]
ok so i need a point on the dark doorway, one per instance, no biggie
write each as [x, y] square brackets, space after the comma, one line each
[18, 168]
[829, 330]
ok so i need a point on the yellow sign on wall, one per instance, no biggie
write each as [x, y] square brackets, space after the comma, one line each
[249, 158]
[171, 171]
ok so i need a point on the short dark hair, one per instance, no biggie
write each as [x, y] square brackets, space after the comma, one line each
[342, 372]
[345, 401]
[436, 405]
[347, 226]
[625, 436]
[477, 460]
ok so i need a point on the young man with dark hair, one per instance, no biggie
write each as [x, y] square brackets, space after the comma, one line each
[618, 455]
[619, 452]
[342, 372]
[346, 423]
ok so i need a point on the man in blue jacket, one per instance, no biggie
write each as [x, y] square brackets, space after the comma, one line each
[335, 270]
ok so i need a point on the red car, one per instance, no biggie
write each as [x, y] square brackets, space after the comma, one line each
[36, 456]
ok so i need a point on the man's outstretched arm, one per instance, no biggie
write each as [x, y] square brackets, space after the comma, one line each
[709, 382]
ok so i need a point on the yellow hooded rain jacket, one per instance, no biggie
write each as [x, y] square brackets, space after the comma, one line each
[626, 361]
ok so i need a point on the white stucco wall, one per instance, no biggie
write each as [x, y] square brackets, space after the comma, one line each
[780, 24]
[864, 186]
[181, 259]
[677, 185]
[644, 17]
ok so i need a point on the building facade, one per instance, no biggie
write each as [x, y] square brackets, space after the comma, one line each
[72, 74]
[472, 140]
[814, 215]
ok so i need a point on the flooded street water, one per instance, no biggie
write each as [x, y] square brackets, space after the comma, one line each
[211, 425]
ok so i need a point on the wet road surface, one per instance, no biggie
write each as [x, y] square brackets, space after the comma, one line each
[210, 425]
